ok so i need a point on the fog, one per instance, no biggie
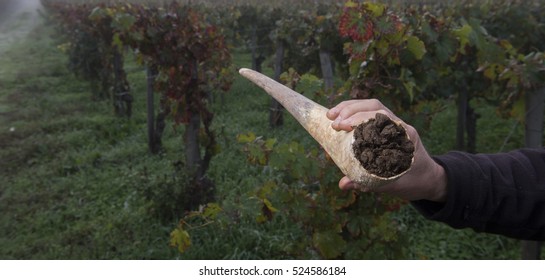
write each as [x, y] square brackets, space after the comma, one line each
[17, 18]
[11, 9]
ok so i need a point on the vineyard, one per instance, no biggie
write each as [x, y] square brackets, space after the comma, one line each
[127, 133]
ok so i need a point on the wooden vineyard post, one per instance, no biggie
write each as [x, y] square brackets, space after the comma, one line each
[156, 126]
[257, 57]
[276, 117]
[153, 145]
[192, 128]
[327, 71]
[122, 95]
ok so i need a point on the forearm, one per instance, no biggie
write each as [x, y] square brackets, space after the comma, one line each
[503, 193]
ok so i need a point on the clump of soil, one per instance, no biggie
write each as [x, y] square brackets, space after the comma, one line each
[382, 147]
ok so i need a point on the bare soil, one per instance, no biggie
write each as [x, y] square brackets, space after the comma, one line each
[382, 147]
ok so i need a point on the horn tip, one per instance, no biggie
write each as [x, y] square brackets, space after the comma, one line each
[243, 71]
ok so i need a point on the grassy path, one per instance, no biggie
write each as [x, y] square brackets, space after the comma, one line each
[64, 162]
[18, 19]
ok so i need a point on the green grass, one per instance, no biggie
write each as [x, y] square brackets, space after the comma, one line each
[71, 172]
[78, 183]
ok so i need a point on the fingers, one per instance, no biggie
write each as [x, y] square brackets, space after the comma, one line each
[346, 184]
[348, 114]
[349, 107]
[347, 124]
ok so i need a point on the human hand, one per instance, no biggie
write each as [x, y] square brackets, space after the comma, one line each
[425, 180]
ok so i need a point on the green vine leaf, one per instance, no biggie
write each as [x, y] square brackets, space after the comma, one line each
[329, 243]
[463, 34]
[343, 200]
[269, 143]
[97, 13]
[266, 189]
[416, 47]
[123, 22]
[117, 42]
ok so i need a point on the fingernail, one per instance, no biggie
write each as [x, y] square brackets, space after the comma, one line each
[332, 113]
[337, 121]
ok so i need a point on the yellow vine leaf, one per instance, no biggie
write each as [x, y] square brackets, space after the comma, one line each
[246, 138]
[376, 9]
[211, 210]
[350, 4]
[180, 239]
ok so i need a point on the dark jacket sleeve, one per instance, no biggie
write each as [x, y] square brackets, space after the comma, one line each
[498, 193]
